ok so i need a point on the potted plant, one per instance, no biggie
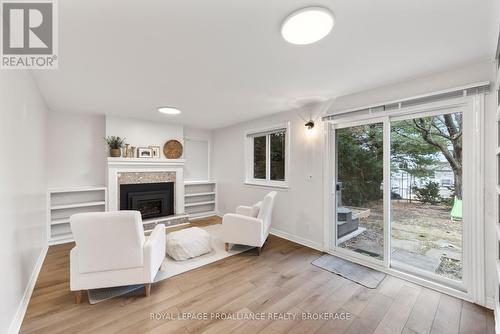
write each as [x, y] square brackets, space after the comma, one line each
[115, 144]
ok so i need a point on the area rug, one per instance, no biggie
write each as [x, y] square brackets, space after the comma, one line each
[352, 271]
[170, 267]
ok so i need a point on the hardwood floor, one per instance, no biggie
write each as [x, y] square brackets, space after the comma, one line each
[281, 279]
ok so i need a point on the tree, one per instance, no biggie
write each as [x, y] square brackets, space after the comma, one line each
[445, 133]
[409, 152]
[360, 163]
[417, 146]
[421, 140]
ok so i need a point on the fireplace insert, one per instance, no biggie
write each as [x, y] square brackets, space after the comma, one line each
[151, 199]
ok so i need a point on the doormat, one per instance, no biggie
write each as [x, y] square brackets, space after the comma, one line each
[352, 271]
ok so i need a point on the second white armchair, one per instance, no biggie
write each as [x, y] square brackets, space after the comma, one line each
[250, 225]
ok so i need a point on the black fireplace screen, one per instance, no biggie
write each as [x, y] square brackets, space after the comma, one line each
[151, 199]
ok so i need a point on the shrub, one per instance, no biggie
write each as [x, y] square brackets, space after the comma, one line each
[429, 193]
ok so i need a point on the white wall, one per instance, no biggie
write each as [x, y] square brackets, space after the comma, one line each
[299, 209]
[142, 133]
[198, 152]
[76, 150]
[23, 117]
[465, 74]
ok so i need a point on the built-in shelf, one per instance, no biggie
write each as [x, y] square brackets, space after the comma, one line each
[75, 189]
[59, 221]
[187, 205]
[199, 194]
[77, 205]
[200, 198]
[60, 234]
[189, 183]
[62, 203]
[60, 239]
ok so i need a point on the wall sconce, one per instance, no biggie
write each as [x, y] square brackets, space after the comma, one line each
[310, 130]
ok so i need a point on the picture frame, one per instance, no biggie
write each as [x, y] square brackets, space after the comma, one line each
[156, 151]
[144, 152]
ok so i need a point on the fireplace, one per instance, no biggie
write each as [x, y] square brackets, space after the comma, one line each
[151, 199]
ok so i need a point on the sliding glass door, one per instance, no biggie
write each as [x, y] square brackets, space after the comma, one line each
[398, 192]
[359, 189]
[426, 195]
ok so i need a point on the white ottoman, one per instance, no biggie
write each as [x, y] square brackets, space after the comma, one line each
[188, 243]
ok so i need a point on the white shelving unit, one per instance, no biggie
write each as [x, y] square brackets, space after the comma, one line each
[200, 198]
[64, 202]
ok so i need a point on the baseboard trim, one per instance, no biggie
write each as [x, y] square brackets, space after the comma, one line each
[298, 240]
[497, 320]
[16, 323]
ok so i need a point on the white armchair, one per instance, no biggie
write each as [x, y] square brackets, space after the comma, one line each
[249, 225]
[111, 250]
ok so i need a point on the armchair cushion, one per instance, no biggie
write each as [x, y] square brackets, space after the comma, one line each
[250, 211]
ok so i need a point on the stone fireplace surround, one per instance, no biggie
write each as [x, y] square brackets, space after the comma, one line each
[139, 171]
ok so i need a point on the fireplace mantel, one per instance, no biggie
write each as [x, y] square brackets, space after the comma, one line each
[144, 162]
[144, 165]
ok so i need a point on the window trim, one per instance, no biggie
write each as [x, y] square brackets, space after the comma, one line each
[249, 153]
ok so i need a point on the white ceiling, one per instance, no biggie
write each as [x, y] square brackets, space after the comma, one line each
[224, 61]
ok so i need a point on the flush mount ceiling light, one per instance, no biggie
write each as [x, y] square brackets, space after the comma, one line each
[307, 25]
[169, 110]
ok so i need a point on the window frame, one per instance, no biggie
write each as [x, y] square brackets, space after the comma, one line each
[249, 156]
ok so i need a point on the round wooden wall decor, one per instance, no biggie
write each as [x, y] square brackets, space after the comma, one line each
[172, 149]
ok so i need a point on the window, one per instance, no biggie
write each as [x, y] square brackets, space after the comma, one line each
[268, 156]
[259, 157]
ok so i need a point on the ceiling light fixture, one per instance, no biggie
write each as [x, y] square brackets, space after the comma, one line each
[169, 110]
[307, 25]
